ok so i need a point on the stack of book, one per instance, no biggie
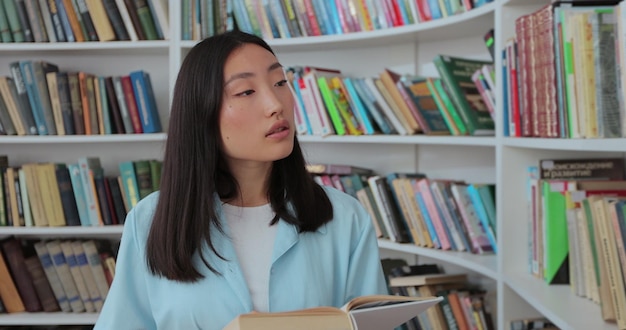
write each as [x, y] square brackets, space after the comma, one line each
[578, 229]
[83, 20]
[55, 275]
[39, 99]
[74, 194]
[409, 207]
[459, 103]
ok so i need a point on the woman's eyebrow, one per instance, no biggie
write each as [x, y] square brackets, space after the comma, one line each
[243, 75]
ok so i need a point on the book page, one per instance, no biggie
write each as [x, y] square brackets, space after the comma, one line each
[391, 315]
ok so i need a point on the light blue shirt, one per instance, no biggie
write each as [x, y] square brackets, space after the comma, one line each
[328, 267]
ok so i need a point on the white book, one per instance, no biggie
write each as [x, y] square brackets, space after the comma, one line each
[52, 276]
[85, 270]
[70, 259]
[65, 275]
[128, 24]
[93, 257]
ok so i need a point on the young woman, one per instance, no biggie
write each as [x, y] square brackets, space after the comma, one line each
[238, 225]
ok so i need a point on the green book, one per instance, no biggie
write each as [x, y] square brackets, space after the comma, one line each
[155, 173]
[456, 75]
[144, 179]
[331, 108]
[14, 22]
[146, 20]
[556, 244]
[5, 30]
[129, 183]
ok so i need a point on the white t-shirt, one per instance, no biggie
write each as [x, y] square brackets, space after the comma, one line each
[253, 239]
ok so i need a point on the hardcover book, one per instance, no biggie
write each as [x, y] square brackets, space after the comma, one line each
[582, 169]
[456, 73]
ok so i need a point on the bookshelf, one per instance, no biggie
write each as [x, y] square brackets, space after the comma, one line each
[408, 49]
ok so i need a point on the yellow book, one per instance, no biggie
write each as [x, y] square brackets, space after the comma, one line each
[100, 20]
[390, 81]
[34, 195]
[54, 208]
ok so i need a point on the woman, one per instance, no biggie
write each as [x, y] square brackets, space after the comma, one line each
[238, 225]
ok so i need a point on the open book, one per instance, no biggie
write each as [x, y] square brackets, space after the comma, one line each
[374, 312]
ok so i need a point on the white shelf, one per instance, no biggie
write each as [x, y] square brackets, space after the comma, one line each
[59, 318]
[607, 145]
[65, 231]
[54, 139]
[484, 264]
[399, 139]
[558, 303]
[470, 23]
[124, 46]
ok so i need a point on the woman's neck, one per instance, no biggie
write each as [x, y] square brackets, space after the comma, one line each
[253, 186]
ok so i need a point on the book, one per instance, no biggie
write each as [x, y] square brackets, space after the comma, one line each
[456, 73]
[429, 279]
[581, 169]
[362, 313]
[337, 169]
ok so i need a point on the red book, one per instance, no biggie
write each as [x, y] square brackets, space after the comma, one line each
[131, 103]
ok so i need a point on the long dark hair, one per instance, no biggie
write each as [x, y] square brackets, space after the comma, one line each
[194, 169]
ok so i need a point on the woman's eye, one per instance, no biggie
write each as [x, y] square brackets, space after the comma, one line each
[281, 83]
[245, 93]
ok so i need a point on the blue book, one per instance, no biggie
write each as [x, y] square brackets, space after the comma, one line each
[322, 17]
[355, 101]
[482, 215]
[333, 13]
[305, 118]
[79, 194]
[368, 99]
[28, 74]
[65, 21]
[146, 103]
[427, 220]
[435, 11]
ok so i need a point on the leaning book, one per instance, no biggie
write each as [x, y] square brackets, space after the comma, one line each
[374, 312]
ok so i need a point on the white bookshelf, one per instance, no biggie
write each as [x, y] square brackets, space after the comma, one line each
[408, 49]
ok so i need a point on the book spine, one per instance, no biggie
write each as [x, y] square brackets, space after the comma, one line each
[65, 275]
[12, 249]
[40, 283]
[115, 17]
[52, 276]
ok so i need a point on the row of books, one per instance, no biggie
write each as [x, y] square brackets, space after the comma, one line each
[411, 208]
[74, 194]
[563, 72]
[83, 20]
[303, 18]
[578, 229]
[329, 102]
[39, 99]
[463, 306]
[55, 275]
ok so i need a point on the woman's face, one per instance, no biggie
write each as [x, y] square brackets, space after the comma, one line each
[256, 118]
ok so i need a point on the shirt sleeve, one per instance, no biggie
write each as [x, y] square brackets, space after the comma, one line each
[365, 274]
[127, 304]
